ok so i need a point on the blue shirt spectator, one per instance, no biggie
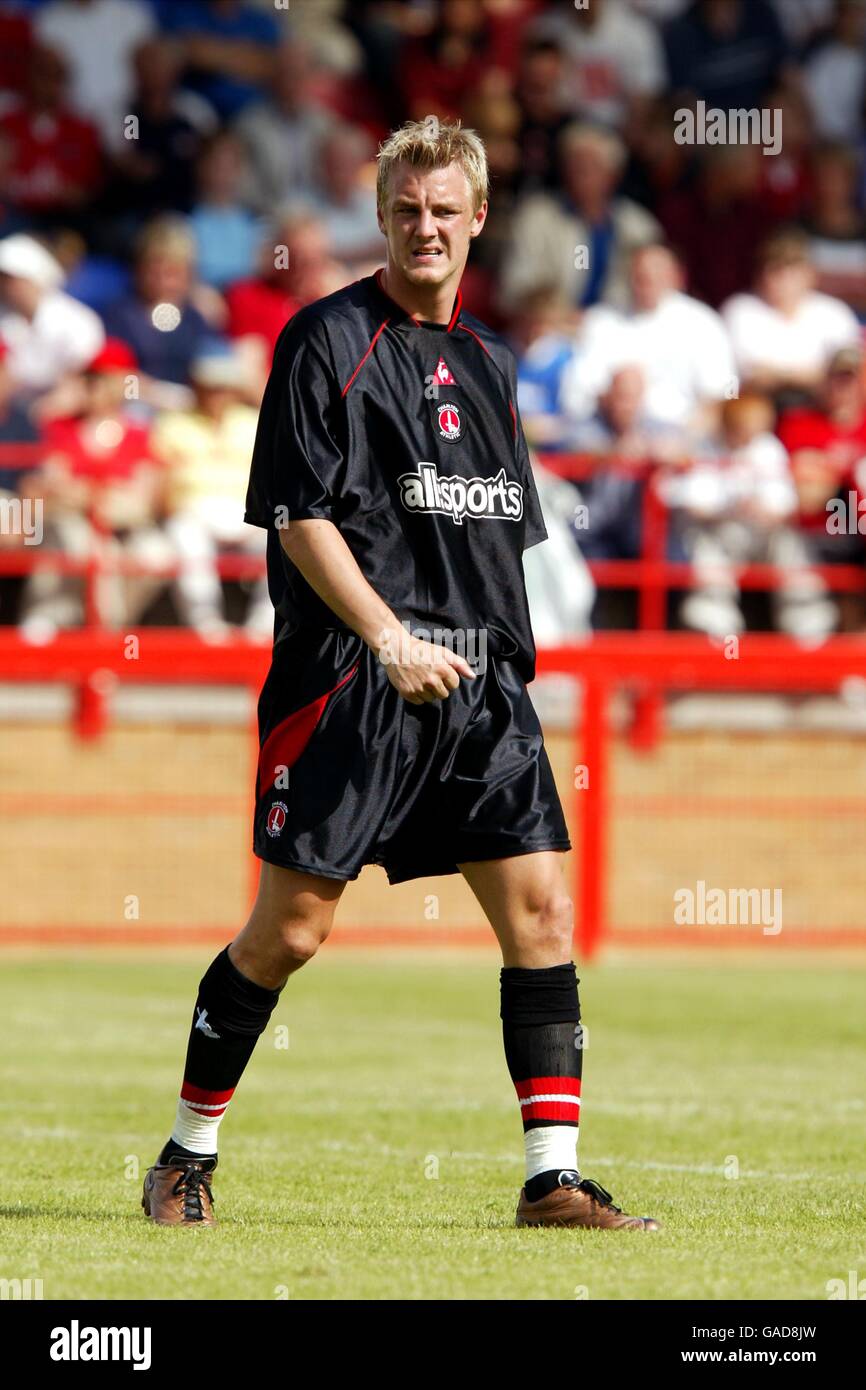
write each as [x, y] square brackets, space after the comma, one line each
[163, 352]
[97, 281]
[227, 243]
[539, 383]
[231, 23]
[227, 235]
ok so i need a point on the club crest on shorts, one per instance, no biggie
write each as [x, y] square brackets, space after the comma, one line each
[276, 821]
[450, 424]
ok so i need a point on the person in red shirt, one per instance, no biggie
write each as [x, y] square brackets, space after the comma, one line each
[440, 71]
[55, 165]
[295, 269]
[102, 491]
[101, 444]
[16, 42]
[826, 443]
[827, 440]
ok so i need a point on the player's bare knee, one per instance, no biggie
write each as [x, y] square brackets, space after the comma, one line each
[551, 922]
[299, 942]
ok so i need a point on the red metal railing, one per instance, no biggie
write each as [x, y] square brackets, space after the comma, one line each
[648, 662]
[652, 575]
[655, 664]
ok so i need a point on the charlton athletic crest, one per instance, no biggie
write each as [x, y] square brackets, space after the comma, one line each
[277, 819]
[450, 424]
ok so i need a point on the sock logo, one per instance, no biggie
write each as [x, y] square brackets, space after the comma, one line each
[426, 491]
[202, 1024]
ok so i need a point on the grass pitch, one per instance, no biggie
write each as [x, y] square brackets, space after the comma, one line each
[379, 1154]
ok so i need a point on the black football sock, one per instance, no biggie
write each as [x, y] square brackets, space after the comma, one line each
[230, 1014]
[172, 1149]
[544, 1051]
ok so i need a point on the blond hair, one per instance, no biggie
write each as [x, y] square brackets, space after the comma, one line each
[166, 235]
[434, 144]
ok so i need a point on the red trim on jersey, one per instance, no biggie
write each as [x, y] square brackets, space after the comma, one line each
[490, 354]
[285, 744]
[475, 336]
[379, 330]
[458, 305]
[547, 1085]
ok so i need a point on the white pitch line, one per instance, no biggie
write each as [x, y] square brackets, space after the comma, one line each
[706, 1169]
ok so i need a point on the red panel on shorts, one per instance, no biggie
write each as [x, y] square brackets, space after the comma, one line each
[285, 744]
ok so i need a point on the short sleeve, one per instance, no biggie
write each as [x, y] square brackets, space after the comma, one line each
[535, 530]
[299, 456]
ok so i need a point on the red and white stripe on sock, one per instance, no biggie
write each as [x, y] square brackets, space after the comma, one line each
[198, 1116]
[550, 1108]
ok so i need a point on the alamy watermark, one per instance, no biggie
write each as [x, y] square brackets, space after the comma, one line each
[731, 907]
[846, 516]
[22, 516]
[20, 1289]
[710, 125]
[77, 1343]
[468, 642]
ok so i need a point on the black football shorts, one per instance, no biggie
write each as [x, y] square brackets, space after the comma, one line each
[351, 774]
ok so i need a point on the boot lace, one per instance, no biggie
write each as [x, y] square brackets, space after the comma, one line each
[598, 1194]
[190, 1185]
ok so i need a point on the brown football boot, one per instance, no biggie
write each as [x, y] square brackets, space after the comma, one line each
[585, 1203]
[178, 1193]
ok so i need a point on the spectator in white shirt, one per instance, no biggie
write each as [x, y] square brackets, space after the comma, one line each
[50, 335]
[739, 505]
[614, 59]
[559, 586]
[680, 344]
[98, 39]
[834, 75]
[784, 332]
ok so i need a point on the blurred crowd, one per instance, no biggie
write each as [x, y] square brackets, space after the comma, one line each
[178, 177]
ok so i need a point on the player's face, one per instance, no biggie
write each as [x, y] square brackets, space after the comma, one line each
[429, 222]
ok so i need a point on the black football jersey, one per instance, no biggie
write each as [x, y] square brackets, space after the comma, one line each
[406, 436]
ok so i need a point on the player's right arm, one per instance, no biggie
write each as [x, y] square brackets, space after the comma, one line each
[419, 671]
[301, 469]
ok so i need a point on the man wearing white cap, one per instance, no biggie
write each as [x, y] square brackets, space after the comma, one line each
[48, 333]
